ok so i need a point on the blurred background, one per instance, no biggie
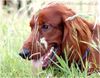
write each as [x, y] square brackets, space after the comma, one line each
[13, 6]
[14, 29]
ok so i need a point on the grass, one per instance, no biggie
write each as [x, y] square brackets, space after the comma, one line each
[13, 32]
[11, 37]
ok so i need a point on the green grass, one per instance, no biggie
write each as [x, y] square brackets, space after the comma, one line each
[13, 32]
[12, 36]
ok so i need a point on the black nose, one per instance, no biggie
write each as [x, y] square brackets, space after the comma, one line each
[25, 53]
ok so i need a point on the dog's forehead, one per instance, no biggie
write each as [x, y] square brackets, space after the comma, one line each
[48, 15]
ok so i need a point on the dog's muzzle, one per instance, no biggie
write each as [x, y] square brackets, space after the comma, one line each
[25, 53]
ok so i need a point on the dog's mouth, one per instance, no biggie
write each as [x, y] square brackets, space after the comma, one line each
[48, 57]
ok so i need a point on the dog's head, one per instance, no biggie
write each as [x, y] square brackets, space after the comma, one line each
[51, 30]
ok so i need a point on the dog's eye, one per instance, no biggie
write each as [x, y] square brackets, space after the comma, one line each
[45, 27]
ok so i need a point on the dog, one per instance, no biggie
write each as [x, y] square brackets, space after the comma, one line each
[56, 29]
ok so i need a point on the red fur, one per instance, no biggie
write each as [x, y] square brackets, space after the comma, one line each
[72, 35]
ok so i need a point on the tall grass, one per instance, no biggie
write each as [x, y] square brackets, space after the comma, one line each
[12, 34]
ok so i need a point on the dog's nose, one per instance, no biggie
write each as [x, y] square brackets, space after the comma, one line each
[25, 53]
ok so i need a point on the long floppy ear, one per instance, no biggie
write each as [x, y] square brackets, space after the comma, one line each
[75, 31]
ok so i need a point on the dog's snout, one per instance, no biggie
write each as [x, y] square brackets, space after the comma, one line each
[24, 53]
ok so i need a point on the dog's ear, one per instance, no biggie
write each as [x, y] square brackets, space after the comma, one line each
[67, 32]
[75, 31]
[76, 27]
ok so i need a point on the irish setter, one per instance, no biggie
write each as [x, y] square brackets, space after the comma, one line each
[56, 29]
